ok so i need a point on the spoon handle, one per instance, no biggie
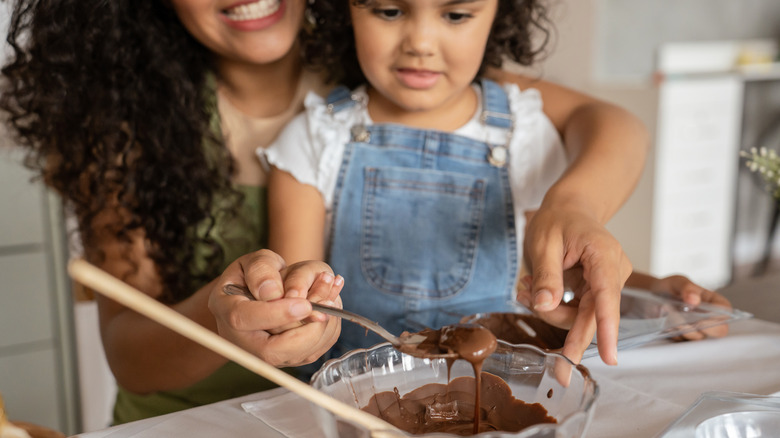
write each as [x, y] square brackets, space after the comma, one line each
[234, 289]
[358, 319]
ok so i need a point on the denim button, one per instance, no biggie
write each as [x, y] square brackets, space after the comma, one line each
[360, 134]
[498, 156]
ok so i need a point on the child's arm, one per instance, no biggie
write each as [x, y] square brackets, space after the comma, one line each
[606, 147]
[296, 218]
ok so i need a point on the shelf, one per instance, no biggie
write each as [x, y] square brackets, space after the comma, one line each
[760, 72]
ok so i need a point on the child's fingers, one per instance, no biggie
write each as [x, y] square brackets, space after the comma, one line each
[326, 289]
[320, 289]
[306, 280]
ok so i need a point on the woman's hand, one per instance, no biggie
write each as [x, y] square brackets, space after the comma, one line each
[561, 242]
[284, 294]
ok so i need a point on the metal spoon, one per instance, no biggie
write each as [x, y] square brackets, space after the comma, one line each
[406, 342]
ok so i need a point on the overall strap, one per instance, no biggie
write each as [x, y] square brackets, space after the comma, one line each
[339, 99]
[495, 105]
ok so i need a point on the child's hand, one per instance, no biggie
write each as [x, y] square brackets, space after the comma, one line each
[325, 289]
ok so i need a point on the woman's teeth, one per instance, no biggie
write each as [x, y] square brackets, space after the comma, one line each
[253, 11]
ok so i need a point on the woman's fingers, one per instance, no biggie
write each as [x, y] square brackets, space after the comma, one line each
[261, 272]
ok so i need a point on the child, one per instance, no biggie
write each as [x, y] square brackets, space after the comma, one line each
[416, 183]
[416, 169]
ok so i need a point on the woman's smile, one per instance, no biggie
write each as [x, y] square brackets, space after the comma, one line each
[254, 15]
[252, 10]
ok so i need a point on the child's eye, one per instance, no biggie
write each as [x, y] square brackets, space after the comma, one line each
[387, 13]
[457, 17]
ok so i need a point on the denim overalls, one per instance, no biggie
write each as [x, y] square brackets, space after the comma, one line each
[421, 219]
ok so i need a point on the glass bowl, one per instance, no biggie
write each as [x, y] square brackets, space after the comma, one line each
[723, 414]
[751, 424]
[564, 389]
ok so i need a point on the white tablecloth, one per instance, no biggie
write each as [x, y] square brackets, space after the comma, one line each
[651, 387]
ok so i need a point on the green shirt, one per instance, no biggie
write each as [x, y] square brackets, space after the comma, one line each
[245, 234]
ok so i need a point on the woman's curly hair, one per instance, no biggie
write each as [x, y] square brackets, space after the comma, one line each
[329, 44]
[111, 100]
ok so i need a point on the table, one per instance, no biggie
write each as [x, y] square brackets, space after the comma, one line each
[651, 387]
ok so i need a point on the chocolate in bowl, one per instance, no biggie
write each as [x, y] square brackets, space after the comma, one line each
[504, 327]
[531, 374]
[449, 408]
[436, 407]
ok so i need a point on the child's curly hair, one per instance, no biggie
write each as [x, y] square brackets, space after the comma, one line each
[329, 45]
[112, 104]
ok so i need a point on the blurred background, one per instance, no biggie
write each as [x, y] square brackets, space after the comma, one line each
[703, 75]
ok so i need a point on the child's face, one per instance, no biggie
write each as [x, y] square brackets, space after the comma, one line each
[421, 55]
[258, 32]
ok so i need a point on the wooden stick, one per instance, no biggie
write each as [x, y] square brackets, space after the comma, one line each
[110, 286]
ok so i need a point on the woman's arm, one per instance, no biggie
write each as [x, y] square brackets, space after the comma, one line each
[146, 357]
[143, 355]
[607, 147]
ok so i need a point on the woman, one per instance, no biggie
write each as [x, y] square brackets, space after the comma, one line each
[114, 101]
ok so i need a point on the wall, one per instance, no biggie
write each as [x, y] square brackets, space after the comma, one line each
[607, 48]
[630, 30]
[37, 355]
[754, 207]
[37, 362]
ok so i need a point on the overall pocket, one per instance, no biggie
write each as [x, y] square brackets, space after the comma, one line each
[420, 230]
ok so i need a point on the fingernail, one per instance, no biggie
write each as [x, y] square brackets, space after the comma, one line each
[300, 309]
[269, 290]
[294, 293]
[543, 300]
[339, 280]
[327, 278]
[524, 301]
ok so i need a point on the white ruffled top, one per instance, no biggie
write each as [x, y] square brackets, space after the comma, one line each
[312, 145]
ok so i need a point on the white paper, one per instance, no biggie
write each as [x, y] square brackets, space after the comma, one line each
[288, 414]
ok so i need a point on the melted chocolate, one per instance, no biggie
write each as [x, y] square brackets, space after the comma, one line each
[450, 408]
[466, 405]
[470, 342]
[504, 326]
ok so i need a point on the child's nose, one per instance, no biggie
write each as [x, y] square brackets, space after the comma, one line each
[419, 38]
